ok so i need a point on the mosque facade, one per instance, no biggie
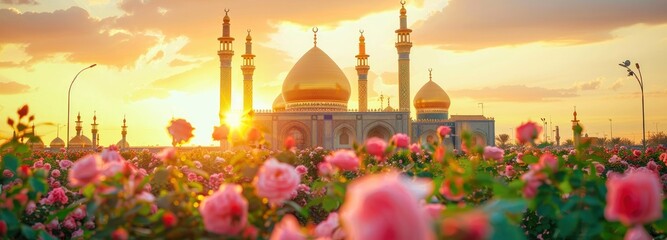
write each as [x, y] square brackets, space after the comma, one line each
[313, 105]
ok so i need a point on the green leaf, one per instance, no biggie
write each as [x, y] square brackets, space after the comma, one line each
[28, 232]
[330, 203]
[568, 224]
[161, 177]
[10, 162]
[38, 185]
[46, 236]
[91, 208]
[62, 213]
[565, 187]
[298, 208]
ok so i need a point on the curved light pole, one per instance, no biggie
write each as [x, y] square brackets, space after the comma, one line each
[640, 80]
[68, 100]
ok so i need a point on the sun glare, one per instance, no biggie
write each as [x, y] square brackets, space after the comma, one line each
[233, 119]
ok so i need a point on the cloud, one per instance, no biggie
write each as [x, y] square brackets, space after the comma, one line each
[617, 84]
[590, 85]
[478, 24]
[11, 87]
[514, 93]
[19, 2]
[147, 93]
[73, 32]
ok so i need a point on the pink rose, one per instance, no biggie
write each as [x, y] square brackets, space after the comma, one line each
[55, 173]
[451, 194]
[57, 195]
[470, 226]
[344, 159]
[376, 147]
[528, 132]
[651, 165]
[325, 168]
[78, 233]
[86, 170]
[386, 206]
[301, 170]
[180, 130]
[634, 198]
[509, 171]
[65, 164]
[276, 181]
[38, 164]
[443, 131]
[226, 211]
[663, 157]
[434, 210]
[401, 140]
[615, 159]
[636, 153]
[145, 197]
[109, 155]
[330, 228]
[287, 229]
[30, 208]
[167, 154]
[532, 184]
[78, 213]
[549, 161]
[414, 148]
[7, 173]
[69, 223]
[47, 166]
[112, 168]
[599, 168]
[494, 153]
[637, 233]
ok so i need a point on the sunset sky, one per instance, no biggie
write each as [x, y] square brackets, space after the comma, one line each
[157, 59]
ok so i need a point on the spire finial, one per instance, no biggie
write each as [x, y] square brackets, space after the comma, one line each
[124, 120]
[78, 117]
[226, 11]
[403, 3]
[315, 29]
[429, 74]
[361, 31]
[94, 117]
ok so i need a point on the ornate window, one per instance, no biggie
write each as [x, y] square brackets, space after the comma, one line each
[344, 138]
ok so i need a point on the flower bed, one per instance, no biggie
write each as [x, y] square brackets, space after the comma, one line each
[378, 190]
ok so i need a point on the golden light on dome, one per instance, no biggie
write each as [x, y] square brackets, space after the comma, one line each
[431, 97]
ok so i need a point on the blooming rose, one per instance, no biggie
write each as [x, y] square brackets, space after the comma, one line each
[344, 159]
[78, 213]
[385, 206]
[65, 164]
[289, 143]
[634, 198]
[169, 219]
[77, 234]
[330, 228]
[55, 173]
[471, 226]
[225, 211]
[301, 170]
[527, 132]
[434, 210]
[376, 146]
[30, 208]
[86, 170]
[532, 184]
[549, 161]
[636, 153]
[111, 168]
[663, 157]
[414, 148]
[637, 233]
[509, 171]
[180, 130]
[167, 154]
[325, 168]
[69, 223]
[443, 131]
[599, 168]
[7, 173]
[109, 155]
[401, 140]
[119, 234]
[493, 153]
[287, 229]
[58, 195]
[276, 181]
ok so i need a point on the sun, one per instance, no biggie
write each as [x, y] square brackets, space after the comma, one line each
[233, 119]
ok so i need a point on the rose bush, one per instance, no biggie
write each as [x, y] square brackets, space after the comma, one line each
[379, 190]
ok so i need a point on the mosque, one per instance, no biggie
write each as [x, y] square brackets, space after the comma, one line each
[79, 141]
[313, 105]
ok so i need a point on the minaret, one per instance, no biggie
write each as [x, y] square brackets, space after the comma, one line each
[225, 53]
[576, 129]
[123, 133]
[403, 45]
[248, 69]
[557, 136]
[362, 72]
[94, 130]
[78, 125]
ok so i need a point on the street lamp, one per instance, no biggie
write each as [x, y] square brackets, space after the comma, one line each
[544, 120]
[640, 80]
[68, 100]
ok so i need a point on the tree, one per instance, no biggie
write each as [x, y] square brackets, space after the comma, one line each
[502, 140]
[658, 138]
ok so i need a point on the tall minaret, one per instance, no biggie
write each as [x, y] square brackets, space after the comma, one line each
[78, 125]
[248, 69]
[225, 53]
[403, 45]
[576, 129]
[362, 72]
[123, 133]
[94, 130]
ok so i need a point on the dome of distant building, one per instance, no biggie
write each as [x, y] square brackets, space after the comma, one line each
[432, 102]
[316, 83]
[35, 143]
[123, 144]
[80, 141]
[279, 103]
[57, 143]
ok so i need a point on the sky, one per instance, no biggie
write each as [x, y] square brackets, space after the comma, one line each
[156, 60]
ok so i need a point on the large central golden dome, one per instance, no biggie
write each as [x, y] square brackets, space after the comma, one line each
[432, 102]
[316, 83]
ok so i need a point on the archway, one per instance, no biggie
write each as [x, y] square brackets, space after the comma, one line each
[298, 132]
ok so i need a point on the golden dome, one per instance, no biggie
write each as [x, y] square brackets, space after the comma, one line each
[123, 144]
[57, 143]
[80, 141]
[279, 103]
[316, 83]
[431, 97]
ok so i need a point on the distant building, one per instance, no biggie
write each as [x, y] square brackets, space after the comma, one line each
[313, 106]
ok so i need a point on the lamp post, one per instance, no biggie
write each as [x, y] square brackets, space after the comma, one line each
[68, 100]
[611, 130]
[544, 121]
[640, 80]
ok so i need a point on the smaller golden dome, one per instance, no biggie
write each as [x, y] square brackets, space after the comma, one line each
[80, 141]
[431, 97]
[57, 143]
[279, 103]
[123, 144]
